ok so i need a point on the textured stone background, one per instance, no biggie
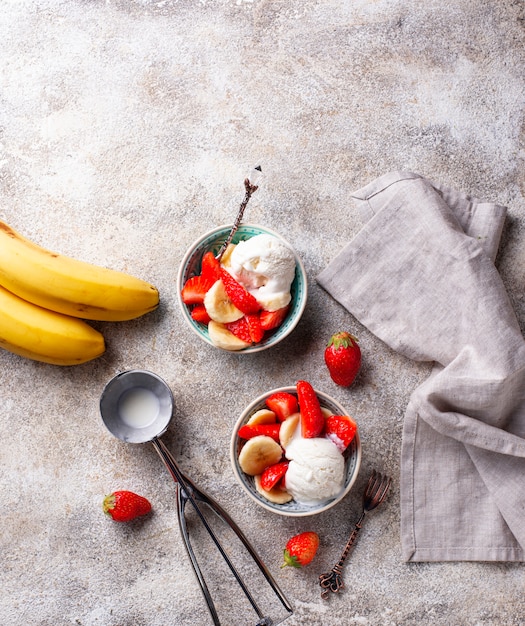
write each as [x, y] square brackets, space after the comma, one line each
[126, 129]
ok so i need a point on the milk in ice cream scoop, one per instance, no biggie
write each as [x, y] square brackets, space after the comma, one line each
[266, 267]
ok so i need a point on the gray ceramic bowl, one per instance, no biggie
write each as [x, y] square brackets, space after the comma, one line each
[294, 509]
[212, 240]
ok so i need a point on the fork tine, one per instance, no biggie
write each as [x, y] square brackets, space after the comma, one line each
[376, 490]
[383, 488]
[371, 485]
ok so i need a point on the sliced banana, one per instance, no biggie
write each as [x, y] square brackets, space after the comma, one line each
[262, 416]
[277, 495]
[221, 337]
[218, 306]
[271, 301]
[326, 412]
[288, 429]
[226, 257]
[258, 453]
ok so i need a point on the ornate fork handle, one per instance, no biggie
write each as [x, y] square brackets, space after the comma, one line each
[333, 581]
[250, 189]
[375, 492]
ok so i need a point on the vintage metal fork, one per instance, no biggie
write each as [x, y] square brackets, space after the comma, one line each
[374, 493]
[250, 188]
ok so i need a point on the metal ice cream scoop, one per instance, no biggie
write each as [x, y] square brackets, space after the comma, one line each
[136, 407]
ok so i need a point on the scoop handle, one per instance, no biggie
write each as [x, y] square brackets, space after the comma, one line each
[187, 491]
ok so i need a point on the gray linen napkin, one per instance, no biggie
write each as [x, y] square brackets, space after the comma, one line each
[420, 275]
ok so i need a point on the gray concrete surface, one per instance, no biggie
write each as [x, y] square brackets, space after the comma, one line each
[126, 129]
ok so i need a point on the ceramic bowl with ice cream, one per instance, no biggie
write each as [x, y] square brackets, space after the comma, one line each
[320, 471]
[265, 266]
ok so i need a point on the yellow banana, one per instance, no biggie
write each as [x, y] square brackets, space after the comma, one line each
[70, 286]
[43, 335]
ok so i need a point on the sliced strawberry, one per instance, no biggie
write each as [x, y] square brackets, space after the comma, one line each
[283, 404]
[312, 420]
[254, 326]
[273, 319]
[240, 329]
[240, 297]
[210, 267]
[273, 474]
[341, 429]
[248, 431]
[199, 314]
[195, 289]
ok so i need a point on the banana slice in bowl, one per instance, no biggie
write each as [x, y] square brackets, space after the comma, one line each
[258, 453]
[219, 306]
[223, 338]
[277, 495]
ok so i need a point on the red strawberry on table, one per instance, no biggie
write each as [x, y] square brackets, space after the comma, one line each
[343, 358]
[301, 549]
[124, 506]
[341, 429]
[312, 419]
[273, 474]
[283, 404]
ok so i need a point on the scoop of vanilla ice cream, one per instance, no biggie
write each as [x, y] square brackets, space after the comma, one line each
[316, 470]
[266, 267]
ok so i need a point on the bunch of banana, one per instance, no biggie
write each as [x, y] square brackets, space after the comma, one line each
[43, 293]
[43, 335]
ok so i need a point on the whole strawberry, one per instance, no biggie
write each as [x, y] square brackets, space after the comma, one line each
[123, 506]
[343, 358]
[301, 549]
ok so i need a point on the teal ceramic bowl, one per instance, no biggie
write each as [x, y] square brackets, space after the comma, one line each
[352, 456]
[212, 240]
